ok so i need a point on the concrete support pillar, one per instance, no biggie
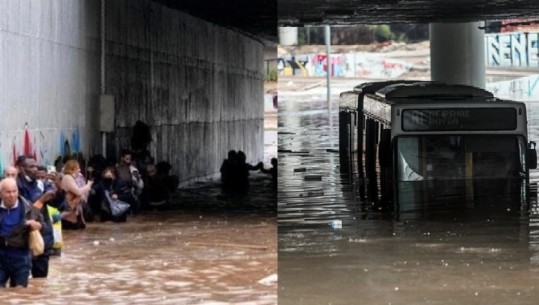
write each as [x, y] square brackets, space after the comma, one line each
[288, 36]
[457, 53]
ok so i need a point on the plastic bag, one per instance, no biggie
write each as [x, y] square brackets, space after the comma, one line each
[36, 243]
[117, 207]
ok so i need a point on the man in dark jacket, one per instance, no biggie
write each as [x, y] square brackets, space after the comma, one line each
[125, 181]
[27, 181]
[30, 188]
[17, 218]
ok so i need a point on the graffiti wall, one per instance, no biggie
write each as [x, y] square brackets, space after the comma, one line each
[512, 50]
[343, 65]
[520, 89]
[502, 50]
[44, 146]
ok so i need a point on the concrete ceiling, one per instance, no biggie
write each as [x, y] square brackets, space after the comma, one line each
[261, 17]
[255, 17]
[318, 12]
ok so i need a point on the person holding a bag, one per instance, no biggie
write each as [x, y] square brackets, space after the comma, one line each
[111, 208]
[37, 192]
[75, 196]
[40, 263]
[17, 218]
[57, 207]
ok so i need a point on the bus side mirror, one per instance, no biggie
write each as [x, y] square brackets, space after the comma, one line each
[532, 156]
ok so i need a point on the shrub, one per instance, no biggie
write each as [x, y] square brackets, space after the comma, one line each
[271, 76]
[382, 33]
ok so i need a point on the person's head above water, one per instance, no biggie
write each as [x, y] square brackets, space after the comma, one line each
[241, 157]
[232, 155]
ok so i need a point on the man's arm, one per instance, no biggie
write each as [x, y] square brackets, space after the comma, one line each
[36, 220]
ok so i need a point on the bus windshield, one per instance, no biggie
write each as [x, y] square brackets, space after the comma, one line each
[453, 166]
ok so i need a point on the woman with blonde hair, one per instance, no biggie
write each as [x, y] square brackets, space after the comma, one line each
[76, 196]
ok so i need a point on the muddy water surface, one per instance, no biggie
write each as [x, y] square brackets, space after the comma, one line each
[162, 258]
[211, 247]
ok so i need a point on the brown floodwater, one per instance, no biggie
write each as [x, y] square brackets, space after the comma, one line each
[475, 257]
[162, 258]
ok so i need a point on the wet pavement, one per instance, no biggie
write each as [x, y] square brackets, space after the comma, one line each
[469, 258]
[209, 247]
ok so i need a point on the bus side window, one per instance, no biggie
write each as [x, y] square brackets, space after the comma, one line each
[532, 156]
[384, 149]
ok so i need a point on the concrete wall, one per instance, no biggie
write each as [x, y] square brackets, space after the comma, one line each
[199, 86]
[525, 89]
[49, 77]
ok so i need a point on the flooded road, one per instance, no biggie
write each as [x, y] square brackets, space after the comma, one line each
[215, 250]
[471, 258]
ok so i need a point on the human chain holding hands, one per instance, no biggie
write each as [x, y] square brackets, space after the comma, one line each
[235, 171]
[272, 171]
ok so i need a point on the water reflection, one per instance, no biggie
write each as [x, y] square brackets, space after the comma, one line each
[478, 256]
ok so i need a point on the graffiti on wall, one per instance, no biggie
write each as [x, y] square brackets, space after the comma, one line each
[343, 65]
[70, 145]
[512, 49]
[41, 145]
[522, 89]
[25, 148]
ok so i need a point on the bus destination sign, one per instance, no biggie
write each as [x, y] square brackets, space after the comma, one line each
[456, 119]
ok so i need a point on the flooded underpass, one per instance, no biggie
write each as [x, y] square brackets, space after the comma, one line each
[207, 247]
[212, 248]
[474, 257]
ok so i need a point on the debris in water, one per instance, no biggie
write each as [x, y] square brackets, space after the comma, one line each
[315, 194]
[313, 178]
[336, 224]
[269, 280]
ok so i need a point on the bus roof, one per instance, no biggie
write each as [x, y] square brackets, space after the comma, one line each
[372, 87]
[348, 100]
[431, 90]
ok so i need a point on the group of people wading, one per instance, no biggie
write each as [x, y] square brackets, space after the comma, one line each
[68, 196]
[73, 192]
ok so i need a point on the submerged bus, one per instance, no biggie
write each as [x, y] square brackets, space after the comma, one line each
[428, 145]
